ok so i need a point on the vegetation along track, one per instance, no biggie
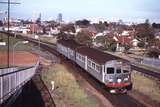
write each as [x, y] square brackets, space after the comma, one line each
[117, 100]
[145, 71]
[48, 46]
[121, 100]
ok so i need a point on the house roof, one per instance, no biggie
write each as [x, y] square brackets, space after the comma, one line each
[123, 39]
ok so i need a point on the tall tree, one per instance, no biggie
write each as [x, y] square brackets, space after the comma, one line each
[100, 27]
[84, 38]
[69, 28]
[156, 25]
[1, 23]
[144, 31]
[107, 42]
[83, 22]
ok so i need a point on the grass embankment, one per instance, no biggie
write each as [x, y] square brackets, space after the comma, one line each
[146, 86]
[49, 39]
[68, 93]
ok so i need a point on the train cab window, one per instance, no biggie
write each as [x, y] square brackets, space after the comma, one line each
[118, 71]
[110, 70]
[125, 71]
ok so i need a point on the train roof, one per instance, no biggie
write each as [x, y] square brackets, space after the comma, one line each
[92, 53]
[97, 55]
[69, 43]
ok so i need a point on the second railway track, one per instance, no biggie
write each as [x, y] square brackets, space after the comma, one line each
[117, 100]
[121, 100]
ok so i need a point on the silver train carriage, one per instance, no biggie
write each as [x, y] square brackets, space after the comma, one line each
[113, 72]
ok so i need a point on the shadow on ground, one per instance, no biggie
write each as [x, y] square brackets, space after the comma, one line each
[30, 97]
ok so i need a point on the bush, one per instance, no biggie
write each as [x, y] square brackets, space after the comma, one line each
[141, 44]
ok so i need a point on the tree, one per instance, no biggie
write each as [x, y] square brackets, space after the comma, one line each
[84, 38]
[68, 28]
[107, 42]
[144, 32]
[113, 47]
[1, 23]
[156, 25]
[83, 22]
[100, 27]
[141, 44]
[62, 35]
[153, 53]
[126, 47]
[106, 23]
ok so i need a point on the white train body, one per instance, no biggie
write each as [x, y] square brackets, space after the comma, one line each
[113, 72]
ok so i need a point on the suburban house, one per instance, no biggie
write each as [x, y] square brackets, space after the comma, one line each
[126, 38]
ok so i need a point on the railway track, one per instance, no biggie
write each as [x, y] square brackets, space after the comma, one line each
[146, 71]
[52, 46]
[117, 100]
[46, 96]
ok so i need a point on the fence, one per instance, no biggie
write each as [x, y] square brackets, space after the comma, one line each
[151, 62]
[12, 79]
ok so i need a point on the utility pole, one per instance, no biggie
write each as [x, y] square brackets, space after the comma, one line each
[8, 25]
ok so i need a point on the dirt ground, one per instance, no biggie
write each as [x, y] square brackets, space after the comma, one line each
[21, 59]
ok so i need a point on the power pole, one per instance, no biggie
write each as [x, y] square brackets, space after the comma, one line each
[8, 3]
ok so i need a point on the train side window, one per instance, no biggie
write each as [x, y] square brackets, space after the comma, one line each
[93, 65]
[72, 53]
[89, 63]
[125, 71]
[118, 71]
[98, 68]
[83, 58]
[110, 70]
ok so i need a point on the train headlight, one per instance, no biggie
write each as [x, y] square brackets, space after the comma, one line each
[119, 80]
[126, 79]
[110, 80]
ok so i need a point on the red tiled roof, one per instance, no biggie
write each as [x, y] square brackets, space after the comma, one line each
[124, 40]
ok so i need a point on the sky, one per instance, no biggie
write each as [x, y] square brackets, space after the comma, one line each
[127, 10]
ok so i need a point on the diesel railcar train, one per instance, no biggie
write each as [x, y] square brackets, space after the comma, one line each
[113, 72]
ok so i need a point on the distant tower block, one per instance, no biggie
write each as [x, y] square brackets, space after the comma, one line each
[59, 18]
[38, 21]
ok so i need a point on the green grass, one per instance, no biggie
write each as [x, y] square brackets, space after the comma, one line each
[68, 91]
[12, 41]
[21, 47]
[48, 40]
[147, 86]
